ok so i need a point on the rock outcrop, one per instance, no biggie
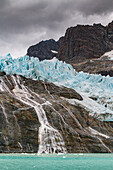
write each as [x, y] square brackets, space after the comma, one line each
[80, 45]
[35, 116]
[45, 49]
[103, 67]
[86, 42]
[110, 31]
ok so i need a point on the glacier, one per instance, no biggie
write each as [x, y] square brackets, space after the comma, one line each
[96, 90]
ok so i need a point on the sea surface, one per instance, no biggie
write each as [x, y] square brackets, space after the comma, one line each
[56, 161]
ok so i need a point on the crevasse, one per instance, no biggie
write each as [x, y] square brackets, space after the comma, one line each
[61, 73]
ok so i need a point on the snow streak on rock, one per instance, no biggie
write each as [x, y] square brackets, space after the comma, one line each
[97, 90]
[50, 140]
[107, 56]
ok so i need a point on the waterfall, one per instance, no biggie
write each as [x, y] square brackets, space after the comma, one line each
[50, 140]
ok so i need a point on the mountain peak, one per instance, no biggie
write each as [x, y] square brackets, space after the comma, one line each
[80, 44]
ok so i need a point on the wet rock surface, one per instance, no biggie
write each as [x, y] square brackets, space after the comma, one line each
[73, 129]
[19, 126]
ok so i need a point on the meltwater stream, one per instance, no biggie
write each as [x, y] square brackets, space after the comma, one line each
[50, 140]
[89, 86]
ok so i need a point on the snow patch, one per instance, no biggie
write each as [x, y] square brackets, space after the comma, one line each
[1, 88]
[108, 55]
[53, 51]
[95, 132]
[90, 105]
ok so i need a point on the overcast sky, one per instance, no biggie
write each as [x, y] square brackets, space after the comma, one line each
[26, 22]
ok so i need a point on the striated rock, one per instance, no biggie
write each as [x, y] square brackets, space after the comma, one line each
[80, 44]
[19, 126]
[103, 67]
[84, 45]
[25, 104]
[85, 42]
[110, 32]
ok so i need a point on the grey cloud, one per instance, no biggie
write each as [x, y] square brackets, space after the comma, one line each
[91, 7]
[32, 20]
[3, 3]
[49, 13]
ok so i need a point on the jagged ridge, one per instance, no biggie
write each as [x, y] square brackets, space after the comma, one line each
[79, 46]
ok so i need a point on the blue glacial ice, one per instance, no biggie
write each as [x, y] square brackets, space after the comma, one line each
[61, 73]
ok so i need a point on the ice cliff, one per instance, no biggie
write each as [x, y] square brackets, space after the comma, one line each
[96, 90]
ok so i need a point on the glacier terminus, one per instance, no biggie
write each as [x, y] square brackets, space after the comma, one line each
[96, 90]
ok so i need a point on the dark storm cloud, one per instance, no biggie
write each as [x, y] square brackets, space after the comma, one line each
[30, 20]
[3, 3]
[90, 7]
[48, 13]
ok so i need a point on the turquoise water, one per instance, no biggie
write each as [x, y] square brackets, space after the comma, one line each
[56, 162]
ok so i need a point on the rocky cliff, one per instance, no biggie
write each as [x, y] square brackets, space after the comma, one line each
[36, 116]
[79, 46]
[86, 42]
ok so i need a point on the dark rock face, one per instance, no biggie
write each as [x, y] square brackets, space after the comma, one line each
[103, 67]
[18, 121]
[20, 127]
[2, 73]
[43, 49]
[110, 31]
[85, 42]
[105, 73]
[80, 45]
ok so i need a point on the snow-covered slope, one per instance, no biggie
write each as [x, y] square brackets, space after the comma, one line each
[108, 55]
[97, 90]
